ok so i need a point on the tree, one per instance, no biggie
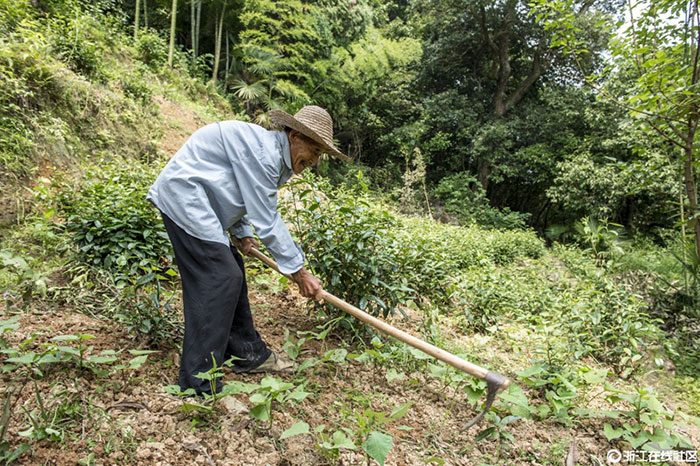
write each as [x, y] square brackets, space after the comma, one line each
[173, 22]
[496, 55]
[195, 19]
[145, 13]
[279, 46]
[217, 42]
[661, 45]
[137, 11]
[369, 92]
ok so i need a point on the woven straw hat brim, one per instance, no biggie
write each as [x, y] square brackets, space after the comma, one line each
[282, 118]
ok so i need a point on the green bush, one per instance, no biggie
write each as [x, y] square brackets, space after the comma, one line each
[348, 246]
[488, 295]
[152, 50]
[26, 80]
[379, 259]
[145, 311]
[137, 85]
[463, 197]
[113, 225]
[612, 325]
[73, 44]
[12, 13]
[431, 254]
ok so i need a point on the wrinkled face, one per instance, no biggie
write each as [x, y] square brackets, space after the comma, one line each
[305, 152]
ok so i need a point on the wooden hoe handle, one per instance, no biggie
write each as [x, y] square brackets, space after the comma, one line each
[496, 383]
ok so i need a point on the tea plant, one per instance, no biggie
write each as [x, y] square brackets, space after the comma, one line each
[145, 311]
[7, 454]
[205, 408]
[497, 431]
[646, 423]
[348, 246]
[27, 280]
[114, 226]
[601, 238]
[463, 196]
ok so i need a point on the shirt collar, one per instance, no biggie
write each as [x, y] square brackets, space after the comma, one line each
[284, 145]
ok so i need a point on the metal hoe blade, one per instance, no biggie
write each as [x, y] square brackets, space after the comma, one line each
[494, 384]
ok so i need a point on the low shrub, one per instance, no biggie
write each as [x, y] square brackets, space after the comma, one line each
[378, 259]
[145, 311]
[137, 86]
[73, 44]
[463, 197]
[348, 246]
[27, 78]
[432, 254]
[152, 50]
[113, 225]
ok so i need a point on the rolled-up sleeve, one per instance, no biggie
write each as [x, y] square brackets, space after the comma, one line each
[241, 229]
[259, 192]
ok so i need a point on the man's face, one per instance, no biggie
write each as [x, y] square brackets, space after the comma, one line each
[305, 152]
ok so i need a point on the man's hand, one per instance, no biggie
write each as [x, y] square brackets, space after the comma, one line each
[309, 285]
[246, 244]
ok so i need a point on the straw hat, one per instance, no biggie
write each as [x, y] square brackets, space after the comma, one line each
[314, 123]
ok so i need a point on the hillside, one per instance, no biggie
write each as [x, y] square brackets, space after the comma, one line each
[91, 326]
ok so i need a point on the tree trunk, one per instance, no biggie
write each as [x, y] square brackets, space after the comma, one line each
[484, 167]
[171, 49]
[145, 14]
[192, 32]
[217, 47]
[227, 64]
[196, 29]
[499, 43]
[691, 194]
[137, 12]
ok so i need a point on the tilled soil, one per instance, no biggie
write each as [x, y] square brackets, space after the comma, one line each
[127, 418]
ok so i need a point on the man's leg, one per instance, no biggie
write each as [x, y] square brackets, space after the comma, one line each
[244, 341]
[212, 283]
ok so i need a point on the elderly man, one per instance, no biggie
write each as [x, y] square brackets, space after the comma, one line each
[225, 179]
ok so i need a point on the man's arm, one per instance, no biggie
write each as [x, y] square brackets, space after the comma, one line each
[309, 285]
[241, 229]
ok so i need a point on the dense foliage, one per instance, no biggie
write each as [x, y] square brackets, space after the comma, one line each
[114, 226]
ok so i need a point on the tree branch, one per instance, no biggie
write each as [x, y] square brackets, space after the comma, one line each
[634, 38]
[536, 71]
[666, 135]
[500, 107]
[480, 15]
[586, 5]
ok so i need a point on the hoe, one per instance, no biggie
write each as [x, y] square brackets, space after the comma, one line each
[495, 382]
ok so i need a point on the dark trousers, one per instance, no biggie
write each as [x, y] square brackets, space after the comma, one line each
[218, 321]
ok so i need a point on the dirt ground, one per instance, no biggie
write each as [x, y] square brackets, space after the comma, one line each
[127, 418]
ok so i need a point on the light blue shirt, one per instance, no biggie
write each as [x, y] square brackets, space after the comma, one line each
[226, 177]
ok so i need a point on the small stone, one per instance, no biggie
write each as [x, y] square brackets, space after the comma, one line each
[234, 406]
[264, 445]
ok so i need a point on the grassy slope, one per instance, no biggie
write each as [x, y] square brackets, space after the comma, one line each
[518, 309]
